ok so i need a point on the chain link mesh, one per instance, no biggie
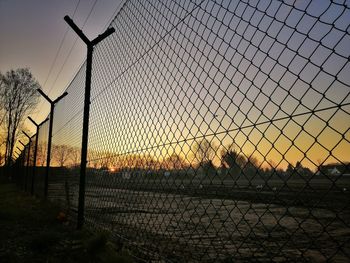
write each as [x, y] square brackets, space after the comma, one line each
[30, 178]
[219, 131]
[213, 128]
[66, 146]
[41, 158]
[21, 167]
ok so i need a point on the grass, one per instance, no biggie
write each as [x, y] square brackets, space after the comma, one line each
[31, 232]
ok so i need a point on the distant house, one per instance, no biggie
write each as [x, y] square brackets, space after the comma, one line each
[334, 169]
[126, 175]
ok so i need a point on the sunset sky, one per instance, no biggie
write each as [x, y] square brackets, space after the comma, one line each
[193, 84]
[157, 91]
[31, 34]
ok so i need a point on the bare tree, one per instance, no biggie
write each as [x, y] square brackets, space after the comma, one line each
[74, 156]
[2, 154]
[60, 154]
[204, 152]
[252, 166]
[2, 118]
[18, 96]
[232, 160]
[41, 154]
[174, 162]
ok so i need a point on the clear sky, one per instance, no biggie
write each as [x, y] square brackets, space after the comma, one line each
[31, 32]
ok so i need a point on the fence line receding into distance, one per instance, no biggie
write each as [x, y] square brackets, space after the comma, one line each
[219, 131]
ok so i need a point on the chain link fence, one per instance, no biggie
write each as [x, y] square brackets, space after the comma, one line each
[19, 173]
[219, 131]
[66, 146]
[41, 158]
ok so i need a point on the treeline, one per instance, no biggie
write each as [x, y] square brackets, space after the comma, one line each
[61, 155]
[204, 156]
[18, 97]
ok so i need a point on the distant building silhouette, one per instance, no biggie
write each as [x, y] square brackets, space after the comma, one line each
[334, 169]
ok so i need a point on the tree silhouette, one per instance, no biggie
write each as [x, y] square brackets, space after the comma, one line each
[18, 93]
[252, 166]
[74, 156]
[232, 160]
[174, 162]
[204, 154]
[60, 154]
[41, 154]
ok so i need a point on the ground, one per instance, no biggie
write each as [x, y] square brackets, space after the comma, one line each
[32, 230]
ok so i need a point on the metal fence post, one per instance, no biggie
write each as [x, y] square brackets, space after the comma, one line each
[19, 151]
[84, 144]
[23, 156]
[35, 150]
[18, 161]
[28, 157]
[48, 158]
